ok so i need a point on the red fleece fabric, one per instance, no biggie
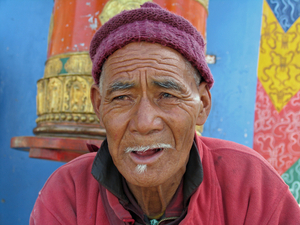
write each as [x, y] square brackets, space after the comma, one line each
[239, 187]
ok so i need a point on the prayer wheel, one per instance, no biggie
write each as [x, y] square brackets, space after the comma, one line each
[63, 95]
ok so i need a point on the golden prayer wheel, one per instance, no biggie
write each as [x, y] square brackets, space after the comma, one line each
[63, 94]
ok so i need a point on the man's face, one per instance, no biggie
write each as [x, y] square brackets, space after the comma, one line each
[149, 98]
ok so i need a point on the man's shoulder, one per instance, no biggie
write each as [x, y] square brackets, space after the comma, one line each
[233, 159]
[217, 144]
[70, 195]
[84, 160]
[219, 147]
[247, 183]
[77, 169]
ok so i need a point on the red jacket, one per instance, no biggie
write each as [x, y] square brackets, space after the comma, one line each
[238, 187]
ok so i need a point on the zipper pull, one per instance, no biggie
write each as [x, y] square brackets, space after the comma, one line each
[154, 222]
[129, 221]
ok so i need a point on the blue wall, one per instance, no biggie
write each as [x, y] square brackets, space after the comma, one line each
[233, 32]
[23, 45]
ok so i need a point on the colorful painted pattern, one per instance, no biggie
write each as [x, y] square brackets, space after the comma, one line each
[277, 109]
[279, 67]
[286, 12]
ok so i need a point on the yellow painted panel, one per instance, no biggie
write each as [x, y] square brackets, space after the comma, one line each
[279, 59]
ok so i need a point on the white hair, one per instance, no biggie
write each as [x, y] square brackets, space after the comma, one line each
[101, 79]
[195, 72]
[141, 168]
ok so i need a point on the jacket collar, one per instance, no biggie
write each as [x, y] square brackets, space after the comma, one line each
[107, 174]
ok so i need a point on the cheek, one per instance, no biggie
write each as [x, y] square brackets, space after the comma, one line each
[115, 125]
[189, 112]
[113, 118]
[182, 122]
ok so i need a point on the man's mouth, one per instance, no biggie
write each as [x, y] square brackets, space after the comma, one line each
[148, 152]
[146, 157]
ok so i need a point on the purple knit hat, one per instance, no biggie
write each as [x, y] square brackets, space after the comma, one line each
[153, 24]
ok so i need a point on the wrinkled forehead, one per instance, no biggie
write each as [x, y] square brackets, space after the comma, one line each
[144, 52]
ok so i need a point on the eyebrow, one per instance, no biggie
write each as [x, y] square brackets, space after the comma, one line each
[168, 84]
[119, 85]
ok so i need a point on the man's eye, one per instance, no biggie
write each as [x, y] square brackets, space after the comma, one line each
[167, 95]
[121, 97]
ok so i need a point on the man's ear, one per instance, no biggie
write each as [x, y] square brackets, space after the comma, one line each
[205, 98]
[96, 101]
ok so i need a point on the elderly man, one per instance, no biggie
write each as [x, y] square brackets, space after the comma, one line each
[152, 87]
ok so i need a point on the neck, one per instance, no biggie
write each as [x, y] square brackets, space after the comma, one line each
[154, 200]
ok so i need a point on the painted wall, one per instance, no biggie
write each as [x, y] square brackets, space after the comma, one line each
[277, 114]
[233, 33]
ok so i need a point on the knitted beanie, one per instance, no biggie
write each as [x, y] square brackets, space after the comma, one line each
[153, 24]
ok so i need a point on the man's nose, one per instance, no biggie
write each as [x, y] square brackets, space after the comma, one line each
[146, 119]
